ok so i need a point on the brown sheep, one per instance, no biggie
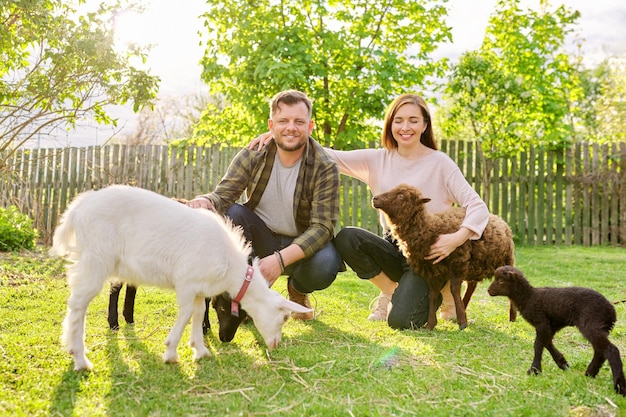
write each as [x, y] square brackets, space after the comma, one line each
[416, 229]
[551, 309]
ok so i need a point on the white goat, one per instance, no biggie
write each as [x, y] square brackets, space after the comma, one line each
[132, 235]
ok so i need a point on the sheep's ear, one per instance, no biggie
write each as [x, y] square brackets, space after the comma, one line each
[513, 275]
[424, 200]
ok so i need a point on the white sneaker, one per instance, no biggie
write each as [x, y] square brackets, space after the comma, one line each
[381, 310]
[448, 312]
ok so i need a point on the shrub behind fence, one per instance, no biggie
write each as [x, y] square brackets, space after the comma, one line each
[577, 196]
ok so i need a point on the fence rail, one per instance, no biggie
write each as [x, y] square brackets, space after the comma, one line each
[576, 196]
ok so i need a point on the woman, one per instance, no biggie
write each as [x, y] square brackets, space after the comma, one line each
[408, 155]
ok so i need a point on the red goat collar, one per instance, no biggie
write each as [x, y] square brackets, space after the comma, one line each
[234, 304]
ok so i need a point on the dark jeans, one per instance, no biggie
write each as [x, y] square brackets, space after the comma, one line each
[368, 254]
[307, 275]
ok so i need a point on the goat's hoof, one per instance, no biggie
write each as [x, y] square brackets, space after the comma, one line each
[170, 358]
[83, 365]
[200, 354]
[533, 371]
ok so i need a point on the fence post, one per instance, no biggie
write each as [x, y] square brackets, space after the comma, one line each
[572, 196]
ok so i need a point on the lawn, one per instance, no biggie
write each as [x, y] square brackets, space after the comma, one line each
[337, 365]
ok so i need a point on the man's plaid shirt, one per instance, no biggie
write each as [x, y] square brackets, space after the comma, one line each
[316, 197]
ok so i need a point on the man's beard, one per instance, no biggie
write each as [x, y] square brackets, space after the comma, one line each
[290, 148]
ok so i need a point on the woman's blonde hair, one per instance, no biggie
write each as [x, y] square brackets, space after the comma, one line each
[427, 138]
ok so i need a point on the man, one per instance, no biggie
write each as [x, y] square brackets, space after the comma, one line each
[292, 201]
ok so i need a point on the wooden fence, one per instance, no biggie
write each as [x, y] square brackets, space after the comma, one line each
[577, 196]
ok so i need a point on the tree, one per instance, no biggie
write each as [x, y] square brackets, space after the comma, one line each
[520, 88]
[58, 66]
[351, 57]
[605, 101]
[170, 120]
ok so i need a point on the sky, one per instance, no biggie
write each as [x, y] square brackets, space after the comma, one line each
[176, 52]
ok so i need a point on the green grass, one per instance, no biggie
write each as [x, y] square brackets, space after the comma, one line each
[338, 365]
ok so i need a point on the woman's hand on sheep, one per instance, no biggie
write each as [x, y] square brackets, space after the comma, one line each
[446, 244]
[260, 141]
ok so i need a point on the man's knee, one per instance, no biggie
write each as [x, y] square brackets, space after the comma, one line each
[237, 213]
[346, 238]
[320, 271]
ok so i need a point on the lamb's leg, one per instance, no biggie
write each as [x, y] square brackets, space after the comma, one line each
[599, 339]
[129, 304]
[558, 357]
[540, 336]
[113, 299]
[544, 336]
[206, 324]
[433, 298]
[603, 350]
[613, 356]
[512, 311]
[197, 341]
[185, 311]
[469, 291]
[455, 289]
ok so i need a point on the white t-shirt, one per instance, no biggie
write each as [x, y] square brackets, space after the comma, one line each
[436, 175]
[276, 205]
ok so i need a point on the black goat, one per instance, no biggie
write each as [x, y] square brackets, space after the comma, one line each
[551, 309]
[228, 324]
[129, 305]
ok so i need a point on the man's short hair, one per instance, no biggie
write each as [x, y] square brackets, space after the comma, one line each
[290, 97]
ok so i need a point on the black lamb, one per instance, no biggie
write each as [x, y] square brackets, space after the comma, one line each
[551, 309]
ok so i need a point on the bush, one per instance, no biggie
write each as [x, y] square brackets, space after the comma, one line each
[16, 230]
